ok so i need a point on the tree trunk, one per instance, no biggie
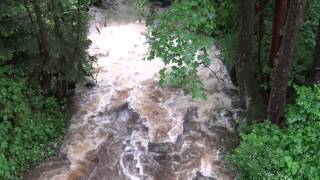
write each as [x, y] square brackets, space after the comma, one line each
[279, 84]
[315, 74]
[25, 3]
[279, 19]
[249, 89]
[42, 30]
[244, 55]
[260, 8]
[57, 7]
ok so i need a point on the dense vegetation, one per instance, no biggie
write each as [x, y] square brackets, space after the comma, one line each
[42, 55]
[272, 51]
[270, 152]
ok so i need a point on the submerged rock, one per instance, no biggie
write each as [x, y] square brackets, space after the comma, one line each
[89, 82]
[161, 148]
[199, 176]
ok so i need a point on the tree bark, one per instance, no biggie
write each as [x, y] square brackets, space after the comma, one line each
[42, 30]
[315, 74]
[249, 91]
[279, 19]
[279, 84]
[57, 6]
[244, 55]
[260, 8]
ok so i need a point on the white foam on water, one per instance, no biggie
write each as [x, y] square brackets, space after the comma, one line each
[97, 131]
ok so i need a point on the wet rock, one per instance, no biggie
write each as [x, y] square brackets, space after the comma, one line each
[223, 118]
[231, 92]
[89, 82]
[54, 164]
[235, 104]
[189, 124]
[161, 148]
[199, 176]
[161, 3]
[161, 157]
[104, 4]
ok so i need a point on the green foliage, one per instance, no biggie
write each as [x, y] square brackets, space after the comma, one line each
[225, 33]
[140, 5]
[42, 51]
[306, 110]
[48, 39]
[306, 42]
[181, 37]
[30, 126]
[203, 20]
[269, 152]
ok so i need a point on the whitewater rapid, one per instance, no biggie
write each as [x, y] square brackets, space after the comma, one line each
[127, 127]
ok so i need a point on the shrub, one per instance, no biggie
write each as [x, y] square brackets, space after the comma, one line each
[30, 126]
[269, 152]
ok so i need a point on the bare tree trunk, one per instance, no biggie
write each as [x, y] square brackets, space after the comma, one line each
[249, 92]
[315, 74]
[244, 55]
[279, 84]
[279, 19]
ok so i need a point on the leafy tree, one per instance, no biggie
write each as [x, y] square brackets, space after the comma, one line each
[180, 39]
[42, 54]
[48, 39]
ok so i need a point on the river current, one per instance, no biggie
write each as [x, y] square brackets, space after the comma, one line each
[127, 127]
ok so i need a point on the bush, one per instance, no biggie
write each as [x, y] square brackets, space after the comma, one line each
[269, 152]
[30, 127]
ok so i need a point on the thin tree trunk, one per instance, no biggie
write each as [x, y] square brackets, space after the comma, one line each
[32, 22]
[260, 38]
[79, 19]
[249, 92]
[79, 33]
[279, 19]
[56, 19]
[315, 74]
[244, 55]
[279, 84]
[45, 74]
[60, 85]
[42, 30]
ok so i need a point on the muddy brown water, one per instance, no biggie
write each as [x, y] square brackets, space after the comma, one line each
[127, 127]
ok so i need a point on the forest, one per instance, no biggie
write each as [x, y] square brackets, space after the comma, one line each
[270, 48]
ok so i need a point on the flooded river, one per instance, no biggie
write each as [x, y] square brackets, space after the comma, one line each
[127, 127]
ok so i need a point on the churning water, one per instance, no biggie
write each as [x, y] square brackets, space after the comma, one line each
[128, 127]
